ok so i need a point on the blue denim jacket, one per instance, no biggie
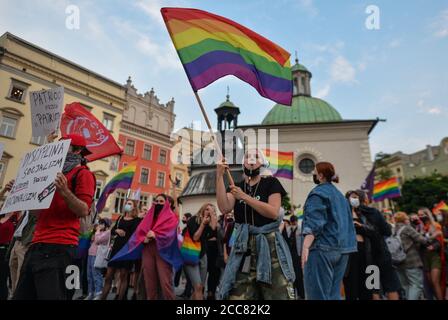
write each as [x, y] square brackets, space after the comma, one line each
[327, 216]
[264, 264]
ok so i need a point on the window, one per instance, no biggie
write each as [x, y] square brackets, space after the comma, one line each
[147, 152]
[39, 140]
[114, 163]
[180, 178]
[17, 90]
[98, 189]
[160, 179]
[17, 93]
[144, 200]
[144, 176]
[130, 146]
[8, 127]
[306, 166]
[108, 121]
[2, 171]
[119, 201]
[162, 156]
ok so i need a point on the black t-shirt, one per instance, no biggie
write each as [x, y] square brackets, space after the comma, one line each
[261, 191]
[193, 226]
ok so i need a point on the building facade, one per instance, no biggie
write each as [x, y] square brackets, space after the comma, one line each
[310, 128]
[25, 67]
[145, 138]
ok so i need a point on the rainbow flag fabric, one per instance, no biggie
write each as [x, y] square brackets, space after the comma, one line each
[281, 163]
[386, 189]
[165, 229]
[211, 47]
[190, 250]
[122, 180]
[440, 206]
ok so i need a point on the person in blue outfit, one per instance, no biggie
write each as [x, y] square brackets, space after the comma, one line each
[329, 236]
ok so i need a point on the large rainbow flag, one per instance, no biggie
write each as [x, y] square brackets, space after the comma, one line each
[165, 229]
[122, 180]
[281, 163]
[386, 189]
[210, 47]
[440, 206]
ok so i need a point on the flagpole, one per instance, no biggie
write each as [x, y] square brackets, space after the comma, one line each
[218, 148]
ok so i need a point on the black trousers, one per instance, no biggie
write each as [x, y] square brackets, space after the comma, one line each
[298, 283]
[4, 273]
[43, 274]
[355, 279]
[214, 272]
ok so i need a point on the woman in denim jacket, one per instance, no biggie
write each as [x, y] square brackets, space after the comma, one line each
[329, 236]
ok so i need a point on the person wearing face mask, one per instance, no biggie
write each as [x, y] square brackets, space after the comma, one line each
[293, 237]
[158, 261]
[55, 238]
[201, 228]
[121, 232]
[329, 236]
[410, 270]
[433, 254]
[376, 230]
[355, 275]
[260, 265]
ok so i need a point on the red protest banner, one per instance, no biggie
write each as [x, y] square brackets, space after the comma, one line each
[76, 119]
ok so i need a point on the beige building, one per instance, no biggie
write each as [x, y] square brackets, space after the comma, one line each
[25, 67]
[310, 128]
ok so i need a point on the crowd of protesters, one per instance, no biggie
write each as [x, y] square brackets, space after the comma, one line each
[252, 250]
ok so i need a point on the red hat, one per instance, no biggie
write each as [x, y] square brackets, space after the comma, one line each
[79, 141]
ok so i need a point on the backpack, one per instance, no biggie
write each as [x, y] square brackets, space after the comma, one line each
[395, 247]
[87, 222]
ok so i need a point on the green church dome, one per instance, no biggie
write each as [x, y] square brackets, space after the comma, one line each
[298, 67]
[304, 109]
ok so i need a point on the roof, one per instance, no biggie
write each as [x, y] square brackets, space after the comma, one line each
[204, 183]
[304, 109]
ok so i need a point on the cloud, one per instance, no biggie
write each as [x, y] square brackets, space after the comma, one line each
[323, 92]
[440, 25]
[309, 7]
[430, 109]
[395, 43]
[151, 8]
[342, 70]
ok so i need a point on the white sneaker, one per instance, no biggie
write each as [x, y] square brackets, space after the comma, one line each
[97, 296]
[89, 297]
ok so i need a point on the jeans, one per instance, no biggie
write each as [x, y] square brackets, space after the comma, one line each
[323, 274]
[43, 274]
[412, 282]
[94, 277]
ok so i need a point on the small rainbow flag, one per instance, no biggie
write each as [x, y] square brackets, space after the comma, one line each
[211, 47]
[281, 163]
[440, 206]
[190, 250]
[122, 180]
[386, 189]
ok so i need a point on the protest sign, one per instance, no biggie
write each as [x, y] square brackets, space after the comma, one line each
[34, 185]
[46, 110]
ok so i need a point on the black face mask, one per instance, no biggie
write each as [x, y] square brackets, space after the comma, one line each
[414, 222]
[229, 220]
[424, 219]
[315, 179]
[157, 208]
[251, 172]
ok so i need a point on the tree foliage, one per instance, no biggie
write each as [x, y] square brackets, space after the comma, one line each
[423, 192]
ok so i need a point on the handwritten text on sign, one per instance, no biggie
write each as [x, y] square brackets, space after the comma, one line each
[46, 110]
[34, 186]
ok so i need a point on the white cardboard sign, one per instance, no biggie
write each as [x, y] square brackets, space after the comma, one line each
[46, 110]
[34, 185]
